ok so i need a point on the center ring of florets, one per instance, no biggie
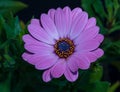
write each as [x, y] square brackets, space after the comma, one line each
[64, 47]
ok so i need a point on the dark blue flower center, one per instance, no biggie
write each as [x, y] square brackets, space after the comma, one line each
[63, 46]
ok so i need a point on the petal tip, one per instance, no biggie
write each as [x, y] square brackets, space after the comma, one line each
[25, 56]
[46, 76]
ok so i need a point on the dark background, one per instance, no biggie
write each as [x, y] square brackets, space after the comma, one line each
[36, 7]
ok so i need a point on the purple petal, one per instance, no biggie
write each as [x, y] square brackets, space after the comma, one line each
[49, 26]
[60, 22]
[39, 58]
[91, 23]
[37, 32]
[44, 62]
[82, 61]
[94, 55]
[70, 76]
[46, 76]
[34, 46]
[87, 45]
[58, 69]
[68, 20]
[72, 63]
[99, 52]
[27, 57]
[51, 13]
[87, 34]
[28, 39]
[99, 37]
[76, 12]
[91, 56]
[40, 48]
[35, 21]
[78, 25]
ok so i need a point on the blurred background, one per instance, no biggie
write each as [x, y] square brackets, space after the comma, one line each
[19, 76]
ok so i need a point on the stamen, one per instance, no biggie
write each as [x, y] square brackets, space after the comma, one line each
[64, 47]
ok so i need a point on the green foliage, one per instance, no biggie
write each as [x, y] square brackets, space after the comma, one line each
[10, 6]
[11, 45]
[90, 81]
[99, 9]
[96, 73]
[107, 14]
[98, 87]
[114, 87]
[5, 86]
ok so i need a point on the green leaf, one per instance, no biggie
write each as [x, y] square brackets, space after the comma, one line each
[2, 45]
[103, 30]
[99, 9]
[112, 48]
[5, 86]
[118, 14]
[86, 85]
[17, 27]
[96, 73]
[86, 4]
[93, 7]
[109, 7]
[114, 87]
[9, 61]
[11, 6]
[12, 27]
[116, 45]
[116, 5]
[89, 77]
[98, 87]
[114, 28]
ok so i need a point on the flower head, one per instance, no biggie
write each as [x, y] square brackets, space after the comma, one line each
[61, 42]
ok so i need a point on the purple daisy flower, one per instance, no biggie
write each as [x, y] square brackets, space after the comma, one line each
[61, 42]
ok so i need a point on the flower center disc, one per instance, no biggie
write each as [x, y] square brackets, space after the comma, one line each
[64, 47]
